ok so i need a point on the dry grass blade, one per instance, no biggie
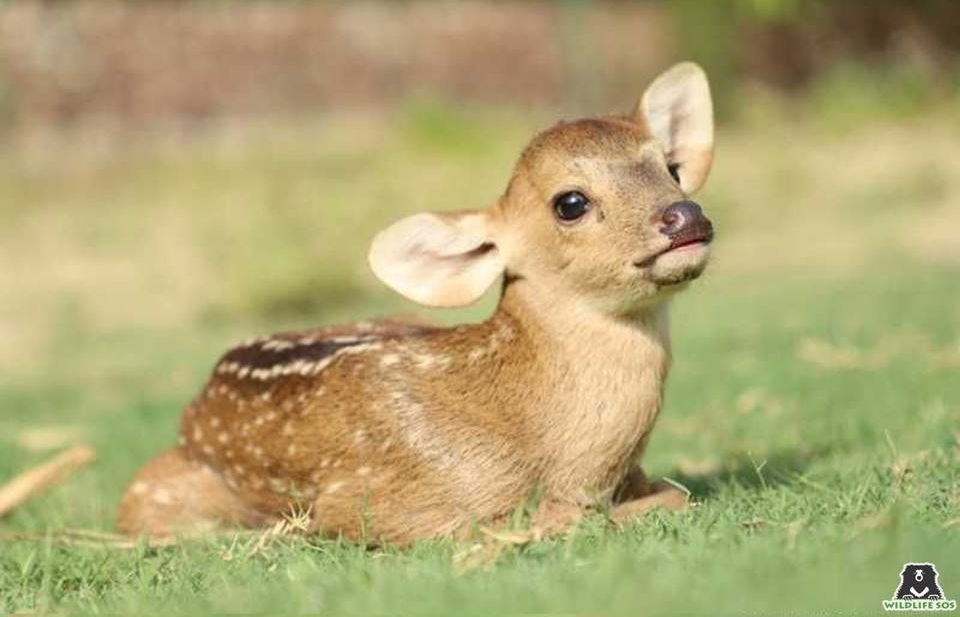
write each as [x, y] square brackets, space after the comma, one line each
[480, 555]
[484, 554]
[518, 538]
[88, 539]
[754, 523]
[42, 477]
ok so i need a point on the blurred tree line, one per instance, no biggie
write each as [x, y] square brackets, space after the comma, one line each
[148, 61]
[908, 49]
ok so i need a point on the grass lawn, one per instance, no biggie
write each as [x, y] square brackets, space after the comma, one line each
[813, 409]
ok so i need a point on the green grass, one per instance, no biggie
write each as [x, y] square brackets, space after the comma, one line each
[813, 409]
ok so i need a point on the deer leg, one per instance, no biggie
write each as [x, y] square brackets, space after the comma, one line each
[659, 495]
[173, 494]
[633, 486]
[636, 497]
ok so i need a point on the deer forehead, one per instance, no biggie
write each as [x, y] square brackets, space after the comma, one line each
[590, 138]
[587, 136]
[628, 180]
[609, 158]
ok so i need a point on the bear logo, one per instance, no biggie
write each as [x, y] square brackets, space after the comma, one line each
[918, 581]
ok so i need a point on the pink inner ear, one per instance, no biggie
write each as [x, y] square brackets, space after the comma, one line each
[677, 111]
[437, 260]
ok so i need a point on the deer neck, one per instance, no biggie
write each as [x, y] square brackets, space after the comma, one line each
[596, 384]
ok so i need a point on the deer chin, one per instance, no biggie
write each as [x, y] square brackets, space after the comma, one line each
[680, 264]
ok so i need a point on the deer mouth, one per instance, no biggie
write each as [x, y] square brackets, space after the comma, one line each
[701, 233]
[689, 239]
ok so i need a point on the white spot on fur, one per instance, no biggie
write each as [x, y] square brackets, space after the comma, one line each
[278, 485]
[215, 421]
[364, 471]
[228, 367]
[162, 497]
[319, 366]
[389, 359]
[347, 340]
[360, 348]
[424, 361]
[139, 488]
[277, 345]
[223, 437]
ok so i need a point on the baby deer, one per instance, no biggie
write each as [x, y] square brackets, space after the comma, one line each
[396, 431]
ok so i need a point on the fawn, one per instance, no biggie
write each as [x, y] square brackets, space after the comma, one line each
[393, 431]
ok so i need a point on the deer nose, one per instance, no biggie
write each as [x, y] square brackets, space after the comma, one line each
[683, 217]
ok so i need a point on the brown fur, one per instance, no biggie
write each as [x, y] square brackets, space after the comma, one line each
[391, 431]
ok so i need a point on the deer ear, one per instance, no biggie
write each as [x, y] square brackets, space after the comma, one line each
[438, 259]
[677, 111]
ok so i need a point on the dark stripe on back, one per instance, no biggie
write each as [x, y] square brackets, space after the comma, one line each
[255, 356]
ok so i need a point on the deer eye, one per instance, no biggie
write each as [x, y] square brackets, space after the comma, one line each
[674, 169]
[570, 206]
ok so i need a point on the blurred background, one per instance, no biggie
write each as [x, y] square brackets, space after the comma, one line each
[176, 176]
